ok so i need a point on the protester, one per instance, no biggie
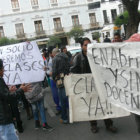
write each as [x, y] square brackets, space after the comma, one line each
[52, 82]
[36, 98]
[117, 38]
[64, 50]
[135, 38]
[81, 66]
[107, 40]
[60, 68]
[7, 130]
[16, 114]
[46, 80]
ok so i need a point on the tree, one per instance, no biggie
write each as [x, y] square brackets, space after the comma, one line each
[122, 20]
[6, 41]
[76, 33]
[96, 36]
[134, 16]
[54, 41]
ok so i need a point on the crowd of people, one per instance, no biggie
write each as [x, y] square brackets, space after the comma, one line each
[58, 63]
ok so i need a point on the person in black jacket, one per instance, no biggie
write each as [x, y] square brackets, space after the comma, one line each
[107, 40]
[81, 66]
[7, 130]
[60, 68]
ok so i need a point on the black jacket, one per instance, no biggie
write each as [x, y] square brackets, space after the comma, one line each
[5, 97]
[80, 64]
[60, 64]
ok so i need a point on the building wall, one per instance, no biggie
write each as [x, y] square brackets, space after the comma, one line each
[46, 12]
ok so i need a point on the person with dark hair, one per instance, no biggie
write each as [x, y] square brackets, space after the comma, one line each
[107, 40]
[64, 50]
[7, 130]
[117, 38]
[52, 82]
[81, 66]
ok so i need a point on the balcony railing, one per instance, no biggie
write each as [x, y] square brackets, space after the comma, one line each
[94, 25]
[59, 29]
[40, 33]
[21, 36]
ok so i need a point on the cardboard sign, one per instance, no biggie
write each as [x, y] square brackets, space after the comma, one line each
[23, 63]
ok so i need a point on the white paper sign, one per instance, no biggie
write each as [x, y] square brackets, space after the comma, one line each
[116, 70]
[23, 63]
[84, 102]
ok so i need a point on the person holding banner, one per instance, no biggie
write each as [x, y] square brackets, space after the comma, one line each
[7, 129]
[81, 66]
[135, 38]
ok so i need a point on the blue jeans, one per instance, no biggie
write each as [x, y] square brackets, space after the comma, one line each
[55, 94]
[64, 103]
[39, 106]
[8, 132]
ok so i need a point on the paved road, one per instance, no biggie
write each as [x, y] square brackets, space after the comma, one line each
[77, 131]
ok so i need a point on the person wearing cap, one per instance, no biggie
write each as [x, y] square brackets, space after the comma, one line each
[7, 130]
[135, 38]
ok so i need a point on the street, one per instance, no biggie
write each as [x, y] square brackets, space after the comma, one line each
[77, 131]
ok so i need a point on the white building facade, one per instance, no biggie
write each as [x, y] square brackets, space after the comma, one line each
[34, 19]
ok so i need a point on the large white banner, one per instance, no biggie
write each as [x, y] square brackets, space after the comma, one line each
[23, 63]
[116, 70]
[84, 102]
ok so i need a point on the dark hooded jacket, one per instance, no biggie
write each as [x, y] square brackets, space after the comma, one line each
[5, 98]
[80, 64]
[60, 64]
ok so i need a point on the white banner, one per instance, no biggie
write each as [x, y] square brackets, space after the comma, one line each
[116, 70]
[84, 102]
[23, 63]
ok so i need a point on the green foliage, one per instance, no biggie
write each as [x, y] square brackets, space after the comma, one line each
[54, 40]
[76, 33]
[95, 35]
[122, 19]
[6, 41]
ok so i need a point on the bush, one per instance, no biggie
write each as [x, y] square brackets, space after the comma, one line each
[6, 41]
[76, 33]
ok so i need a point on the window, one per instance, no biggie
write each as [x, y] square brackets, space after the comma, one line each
[114, 14]
[75, 20]
[34, 2]
[15, 4]
[92, 18]
[102, 0]
[1, 31]
[19, 29]
[38, 26]
[94, 5]
[72, 1]
[105, 16]
[57, 24]
[53, 1]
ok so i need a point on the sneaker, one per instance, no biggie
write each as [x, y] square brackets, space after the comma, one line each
[47, 127]
[64, 121]
[37, 124]
[94, 129]
[112, 129]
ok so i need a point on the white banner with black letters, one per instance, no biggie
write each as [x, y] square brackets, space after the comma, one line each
[23, 63]
[116, 70]
[84, 102]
